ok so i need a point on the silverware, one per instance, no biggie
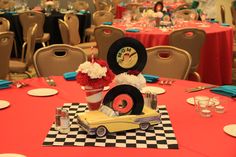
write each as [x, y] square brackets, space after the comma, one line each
[199, 88]
[166, 82]
[50, 81]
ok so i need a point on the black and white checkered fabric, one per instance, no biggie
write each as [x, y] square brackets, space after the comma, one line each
[159, 136]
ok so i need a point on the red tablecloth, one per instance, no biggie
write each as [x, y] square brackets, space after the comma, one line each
[216, 54]
[27, 121]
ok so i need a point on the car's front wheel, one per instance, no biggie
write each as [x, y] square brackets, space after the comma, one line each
[101, 131]
[144, 126]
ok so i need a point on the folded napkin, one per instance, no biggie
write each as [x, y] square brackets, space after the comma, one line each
[70, 75]
[107, 23]
[213, 21]
[225, 24]
[151, 78]
[5, 84]
[132, 30]
[226, 90]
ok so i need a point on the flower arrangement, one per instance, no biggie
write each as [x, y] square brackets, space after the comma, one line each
[151, 14]
[133, 78]
[95, 74]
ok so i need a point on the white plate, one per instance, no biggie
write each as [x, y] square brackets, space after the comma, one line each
[42, 92]
[12, 155]
[4, 104]
[230, 129]
[153, 90]
[191, 101]
[105, 88]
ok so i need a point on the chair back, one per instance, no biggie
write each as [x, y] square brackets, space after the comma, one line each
[105, 36]
[182, 7]
[222, 13]
[64, 30]
[233, 13]
[99, 17]
[4, 24]
[190, 40]
[103, 5]
[168, 61]
[6, 42]
[81, 5]
[187, 14]
[28, 19]
[6, 4]
[57, 59]
[31, 38]
[73, 25]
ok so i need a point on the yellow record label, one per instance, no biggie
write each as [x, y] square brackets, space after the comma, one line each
[127, 57]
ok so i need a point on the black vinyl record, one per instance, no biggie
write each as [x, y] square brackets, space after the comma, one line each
[126, 54]
[158, 6]
[125, 99]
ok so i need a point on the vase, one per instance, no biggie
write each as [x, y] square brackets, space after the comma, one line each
[93, 97]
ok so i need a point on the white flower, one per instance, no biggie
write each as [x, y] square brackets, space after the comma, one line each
[49, 3]
[159, 14]
[94, 70]
[137, 81]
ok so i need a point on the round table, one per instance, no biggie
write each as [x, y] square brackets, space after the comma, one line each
[216, 54]
[25, 124]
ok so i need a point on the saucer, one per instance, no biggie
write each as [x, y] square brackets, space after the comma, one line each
[4, 104]
[191, 101]
[230, 129]
[153, 90]
[42, 92]
[11, 155]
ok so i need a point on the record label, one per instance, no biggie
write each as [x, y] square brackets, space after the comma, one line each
[127, 57]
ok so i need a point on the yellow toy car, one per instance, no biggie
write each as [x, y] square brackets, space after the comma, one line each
[106, 120]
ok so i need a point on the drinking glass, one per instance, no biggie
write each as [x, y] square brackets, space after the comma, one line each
[199, 98]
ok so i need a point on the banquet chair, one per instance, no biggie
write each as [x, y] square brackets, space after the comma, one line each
[187, 14]
[103, 5]
[6, 4]
[28, 19]
[81, 5]
[191, 40]
[99, 17]
[168, 61]
[6, 43]
[105, 36]
[5, 26]
[57, 59]
[182, 7]
[222, 13]
[69, 29]
[23, 65]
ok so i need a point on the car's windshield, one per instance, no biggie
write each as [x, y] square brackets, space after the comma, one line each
[108, 111]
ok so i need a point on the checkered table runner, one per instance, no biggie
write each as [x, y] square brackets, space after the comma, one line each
[159, 136]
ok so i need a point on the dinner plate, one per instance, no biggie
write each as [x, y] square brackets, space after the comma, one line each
[191, 101]
[4, 104]
[230, 129]
[42, 92]
[11, 155]
[153, 90]
[105, 88]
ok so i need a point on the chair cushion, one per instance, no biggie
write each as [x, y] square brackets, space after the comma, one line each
[17, 67]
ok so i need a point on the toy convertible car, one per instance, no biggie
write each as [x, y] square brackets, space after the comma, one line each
[106, 120]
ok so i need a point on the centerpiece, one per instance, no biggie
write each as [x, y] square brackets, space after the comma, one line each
[94, 76]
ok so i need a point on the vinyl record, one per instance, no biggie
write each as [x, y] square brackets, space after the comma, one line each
[125, 99]
[126, 54]
[158, 6]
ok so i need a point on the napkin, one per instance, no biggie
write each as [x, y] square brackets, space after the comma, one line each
[70, 75]
[213, 21]
[5, 84]
[132, 30]
[151, 78]
[107, 23]
[226, 90]
[82, 11]
[225, 24]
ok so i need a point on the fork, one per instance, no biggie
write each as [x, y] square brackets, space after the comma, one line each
[50, 81]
